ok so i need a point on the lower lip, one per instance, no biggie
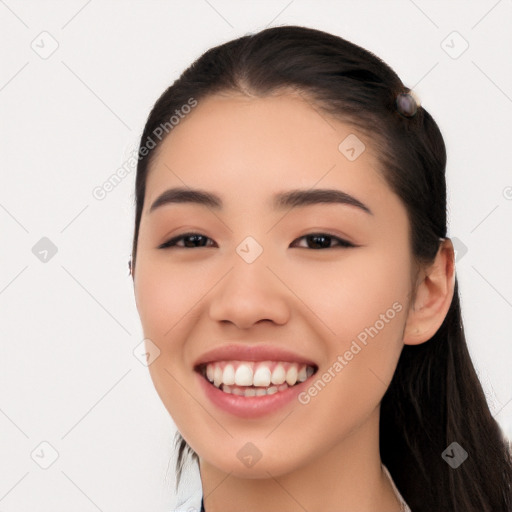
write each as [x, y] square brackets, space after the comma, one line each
[250, 406]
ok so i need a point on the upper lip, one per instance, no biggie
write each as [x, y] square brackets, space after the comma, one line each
[237, 352]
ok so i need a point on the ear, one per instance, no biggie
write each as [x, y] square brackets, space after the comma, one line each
[433, 297]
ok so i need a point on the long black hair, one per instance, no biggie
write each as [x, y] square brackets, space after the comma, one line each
[435, 397]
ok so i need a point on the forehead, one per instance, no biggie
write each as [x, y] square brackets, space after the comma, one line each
[243, 147]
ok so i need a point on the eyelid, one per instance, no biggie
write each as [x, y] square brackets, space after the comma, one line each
[333, 233]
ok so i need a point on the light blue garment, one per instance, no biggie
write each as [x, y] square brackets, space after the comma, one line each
[404, 507]
[190, 493]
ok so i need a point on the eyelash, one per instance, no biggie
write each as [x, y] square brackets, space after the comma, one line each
[344, 244]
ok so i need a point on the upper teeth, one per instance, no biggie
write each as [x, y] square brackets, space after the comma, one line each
[250, 373]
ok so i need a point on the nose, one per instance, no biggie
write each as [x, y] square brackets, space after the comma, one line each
[248, 294]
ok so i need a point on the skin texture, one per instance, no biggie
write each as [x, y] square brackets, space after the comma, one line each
[323, 455]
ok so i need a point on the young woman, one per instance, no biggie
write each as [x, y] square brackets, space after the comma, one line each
[292, 272]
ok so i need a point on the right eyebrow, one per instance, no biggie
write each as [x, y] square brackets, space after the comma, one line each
[187, 195]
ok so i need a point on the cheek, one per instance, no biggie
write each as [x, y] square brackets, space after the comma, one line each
[163, 296]
[347, 294]
[168, 298]
[359, 306]
[162, 303]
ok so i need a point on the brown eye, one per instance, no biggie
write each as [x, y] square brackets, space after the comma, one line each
[314, 241]
[191, 240]
[323, 241]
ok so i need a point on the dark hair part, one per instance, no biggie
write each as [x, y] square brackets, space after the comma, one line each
[435, 397]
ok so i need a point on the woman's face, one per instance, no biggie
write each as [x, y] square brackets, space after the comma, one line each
[255, 284]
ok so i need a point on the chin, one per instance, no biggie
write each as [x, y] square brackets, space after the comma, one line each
[255, 466]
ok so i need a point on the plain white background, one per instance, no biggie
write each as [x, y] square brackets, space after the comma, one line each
[68, 326]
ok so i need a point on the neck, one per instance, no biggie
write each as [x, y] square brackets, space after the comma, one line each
[347, 478]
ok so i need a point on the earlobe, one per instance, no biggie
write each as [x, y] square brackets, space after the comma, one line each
[433, 297]
[130, 268]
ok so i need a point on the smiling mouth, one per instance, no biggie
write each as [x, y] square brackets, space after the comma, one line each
[255, 378]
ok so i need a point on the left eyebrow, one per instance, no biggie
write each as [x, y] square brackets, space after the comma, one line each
[299, 198]
[290, 199]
